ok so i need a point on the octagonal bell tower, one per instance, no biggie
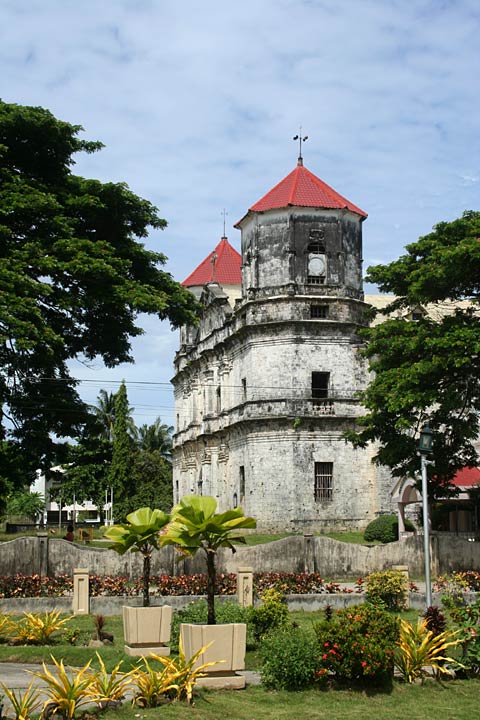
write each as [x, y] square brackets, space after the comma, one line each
[276, 377]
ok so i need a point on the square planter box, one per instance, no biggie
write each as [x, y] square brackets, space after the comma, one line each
[147, 629]
[228, 645]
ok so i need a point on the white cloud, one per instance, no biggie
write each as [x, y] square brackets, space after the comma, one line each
[197, 104]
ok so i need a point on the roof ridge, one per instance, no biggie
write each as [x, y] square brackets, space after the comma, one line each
[296, 174]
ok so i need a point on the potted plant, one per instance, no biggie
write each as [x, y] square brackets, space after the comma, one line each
[195, 525]
[146, 628]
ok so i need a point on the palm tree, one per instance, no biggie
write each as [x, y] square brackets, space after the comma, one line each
[157, 436]
[105, 412]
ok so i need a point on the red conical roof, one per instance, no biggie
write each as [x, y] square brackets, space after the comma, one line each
[302, 188]
[226, 270]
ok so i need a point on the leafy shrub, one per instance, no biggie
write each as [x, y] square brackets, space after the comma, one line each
[458, 582]
[270, 615]
[289, 659]
[388, 588]
[358, 643]
[196, 612]
[384, 529]
[435, 619]
[467, 619]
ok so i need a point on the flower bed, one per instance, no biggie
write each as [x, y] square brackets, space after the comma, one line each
[21, 586]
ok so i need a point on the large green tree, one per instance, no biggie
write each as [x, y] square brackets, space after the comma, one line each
[74, 277]
[427, 370]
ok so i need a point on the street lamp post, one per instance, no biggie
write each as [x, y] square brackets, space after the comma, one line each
[425, 448]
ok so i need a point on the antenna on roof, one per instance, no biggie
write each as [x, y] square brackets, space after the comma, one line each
[300, 139]
[224, 213]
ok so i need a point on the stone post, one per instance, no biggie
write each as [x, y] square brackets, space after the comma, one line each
[308, 553]
[81, 592]
[245, 586]
[404, 570]
[42, 539]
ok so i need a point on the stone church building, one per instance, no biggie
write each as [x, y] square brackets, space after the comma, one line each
[268, 382]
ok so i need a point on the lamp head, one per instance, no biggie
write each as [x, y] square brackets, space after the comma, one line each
[426, 440]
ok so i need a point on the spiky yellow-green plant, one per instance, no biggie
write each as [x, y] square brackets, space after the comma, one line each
[174, 682]
[419, 649]
[184, 675]
[107, 687]
[5, 624]
[152, 686]
[67, 689]
[37, 628]
[24, 704]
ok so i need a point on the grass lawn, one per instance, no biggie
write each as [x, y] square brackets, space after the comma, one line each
[456, 700]
[75, 655]
[450, 700]
[79, 654]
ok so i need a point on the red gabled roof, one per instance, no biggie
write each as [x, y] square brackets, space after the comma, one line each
[226, 270]
[303, 189]
[467, 477]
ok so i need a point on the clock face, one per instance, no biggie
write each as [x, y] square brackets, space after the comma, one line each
[316, 265]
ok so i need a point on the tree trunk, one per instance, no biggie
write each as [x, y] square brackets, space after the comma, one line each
[211, 577]
[146, 581]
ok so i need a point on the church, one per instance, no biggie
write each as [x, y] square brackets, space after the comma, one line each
[267, 383]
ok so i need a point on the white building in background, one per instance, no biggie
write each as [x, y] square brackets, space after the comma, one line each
[57, 513]
[268, 382]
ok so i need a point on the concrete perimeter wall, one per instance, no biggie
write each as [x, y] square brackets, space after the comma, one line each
[332, 559]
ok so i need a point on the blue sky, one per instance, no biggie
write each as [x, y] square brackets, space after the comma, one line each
[197, 103]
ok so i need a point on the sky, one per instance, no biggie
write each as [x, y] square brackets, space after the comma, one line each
[197, 104]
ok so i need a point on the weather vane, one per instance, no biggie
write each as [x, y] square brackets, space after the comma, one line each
[300, 139]
[224, 213]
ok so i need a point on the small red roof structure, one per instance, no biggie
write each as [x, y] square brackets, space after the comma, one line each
[223, 265]
[467, 477]
[302, 188]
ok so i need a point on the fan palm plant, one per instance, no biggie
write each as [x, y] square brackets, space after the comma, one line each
[140, 533]
[195, 525]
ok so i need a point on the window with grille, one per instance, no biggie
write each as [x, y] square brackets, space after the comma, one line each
[318, 311]
[323, 488]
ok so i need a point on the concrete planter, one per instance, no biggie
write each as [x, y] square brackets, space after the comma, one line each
[228, 648]
[147, 629]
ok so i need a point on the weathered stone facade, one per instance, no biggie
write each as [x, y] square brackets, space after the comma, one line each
[267, 384]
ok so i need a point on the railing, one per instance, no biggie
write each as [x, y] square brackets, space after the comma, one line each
[338, 405]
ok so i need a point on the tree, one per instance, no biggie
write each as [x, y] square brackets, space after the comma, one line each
[157, 436]
[119, 475]
[74, 277]
[150, 483]
[428, 370]
[105, 413]
[26, 503]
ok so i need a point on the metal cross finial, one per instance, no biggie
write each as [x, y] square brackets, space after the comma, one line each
[213, 260]
[224, 213]
[300, 139]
